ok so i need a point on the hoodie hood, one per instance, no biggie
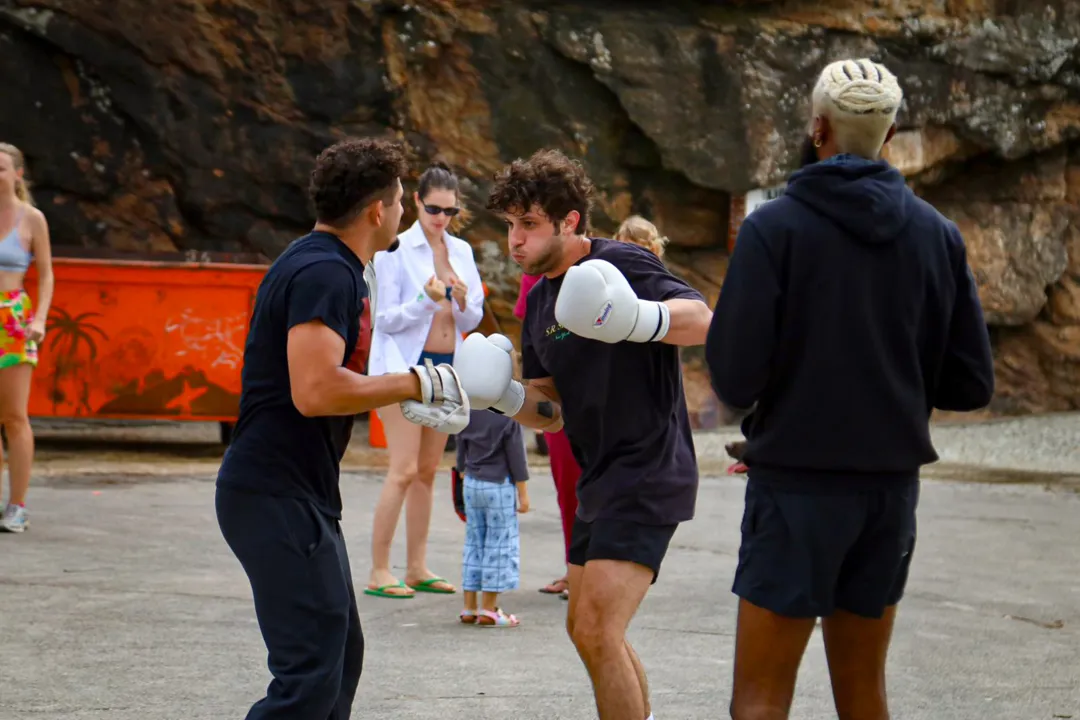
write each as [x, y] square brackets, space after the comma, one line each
[869, 199]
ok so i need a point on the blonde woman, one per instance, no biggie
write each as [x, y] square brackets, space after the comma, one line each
[639, 231]
[25, 238]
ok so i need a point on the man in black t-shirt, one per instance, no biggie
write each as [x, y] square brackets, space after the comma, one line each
[278, 502]
[600, 353]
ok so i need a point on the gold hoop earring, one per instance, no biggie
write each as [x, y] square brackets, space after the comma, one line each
[817, 142]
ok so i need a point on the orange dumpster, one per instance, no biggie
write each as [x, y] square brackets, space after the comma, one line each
[159, 339]
[152, 337]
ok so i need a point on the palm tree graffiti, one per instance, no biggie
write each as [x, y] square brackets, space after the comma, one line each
[68, 337]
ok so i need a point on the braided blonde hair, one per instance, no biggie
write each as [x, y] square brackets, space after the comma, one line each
[22, 191]
[639, 231]
[860, 98]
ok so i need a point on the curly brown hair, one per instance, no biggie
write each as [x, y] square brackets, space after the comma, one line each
[350, 174]
[548, 179]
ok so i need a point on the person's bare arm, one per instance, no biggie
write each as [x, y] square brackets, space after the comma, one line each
[41, 246]
[542, 409]
[320, 386]
[690, 321]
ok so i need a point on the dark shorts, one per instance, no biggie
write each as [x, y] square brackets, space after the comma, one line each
[436, 358]
[626, 540]
[808, 553]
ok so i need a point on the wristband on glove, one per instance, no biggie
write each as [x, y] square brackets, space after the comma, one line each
[511, 401]
[653, 322]
[431, 390]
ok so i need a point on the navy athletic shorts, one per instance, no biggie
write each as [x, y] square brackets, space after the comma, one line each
[807, 552]
[626, 540]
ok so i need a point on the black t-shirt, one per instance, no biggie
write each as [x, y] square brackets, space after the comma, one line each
[623, 403]
[275, 450]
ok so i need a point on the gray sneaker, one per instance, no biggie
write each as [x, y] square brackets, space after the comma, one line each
[14, 519]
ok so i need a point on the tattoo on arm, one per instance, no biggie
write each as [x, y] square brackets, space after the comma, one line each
[544, 409]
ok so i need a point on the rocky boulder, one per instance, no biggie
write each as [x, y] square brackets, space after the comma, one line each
[153, 126]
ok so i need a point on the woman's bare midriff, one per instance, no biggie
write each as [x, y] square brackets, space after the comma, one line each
[441, 338]
[11, 280]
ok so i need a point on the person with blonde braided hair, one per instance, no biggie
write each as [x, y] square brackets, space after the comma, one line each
[847, 315]
[865, 96]
[639, 231]
[22, 326]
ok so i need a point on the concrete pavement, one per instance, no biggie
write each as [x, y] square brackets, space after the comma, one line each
[123, 602]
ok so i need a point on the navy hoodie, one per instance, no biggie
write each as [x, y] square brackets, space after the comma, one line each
[848, 312]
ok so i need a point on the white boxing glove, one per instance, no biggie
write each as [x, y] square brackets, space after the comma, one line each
[597, 302]
[486, 370]
[445, 405]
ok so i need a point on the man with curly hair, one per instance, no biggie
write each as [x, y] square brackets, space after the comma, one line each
[600, 354]
[278, 501]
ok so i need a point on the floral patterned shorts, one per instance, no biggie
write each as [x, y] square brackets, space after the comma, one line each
[16, 314]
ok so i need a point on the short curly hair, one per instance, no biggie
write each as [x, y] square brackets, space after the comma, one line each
[548, 179]
[350, 174]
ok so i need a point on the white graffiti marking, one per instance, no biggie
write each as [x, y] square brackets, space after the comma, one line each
[224, 335]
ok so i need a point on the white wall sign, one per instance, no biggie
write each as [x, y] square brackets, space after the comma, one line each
[743, 205]
[757, 198]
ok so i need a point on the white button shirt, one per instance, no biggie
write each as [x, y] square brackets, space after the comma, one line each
[403, 312]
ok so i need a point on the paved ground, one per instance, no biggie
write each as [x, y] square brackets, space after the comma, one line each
[123, 602]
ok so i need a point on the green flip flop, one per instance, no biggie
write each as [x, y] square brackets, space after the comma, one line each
[381, 591]
[428, 586]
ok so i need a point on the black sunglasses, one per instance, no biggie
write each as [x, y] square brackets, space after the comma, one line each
[435, 210]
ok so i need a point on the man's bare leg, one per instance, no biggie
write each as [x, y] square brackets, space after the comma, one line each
[644, 681]
[604, 596]
[856, 648]
[768, 652]
[574, 573]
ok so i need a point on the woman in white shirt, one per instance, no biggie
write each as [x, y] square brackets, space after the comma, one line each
[429, 293]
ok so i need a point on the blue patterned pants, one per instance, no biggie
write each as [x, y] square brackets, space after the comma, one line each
[492, 555]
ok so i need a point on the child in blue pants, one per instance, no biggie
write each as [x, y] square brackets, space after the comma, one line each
[491, 457]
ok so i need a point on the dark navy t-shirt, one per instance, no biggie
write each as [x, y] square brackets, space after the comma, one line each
[275, 450]
[623, 404]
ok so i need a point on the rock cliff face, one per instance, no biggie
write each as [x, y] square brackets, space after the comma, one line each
[191, 124]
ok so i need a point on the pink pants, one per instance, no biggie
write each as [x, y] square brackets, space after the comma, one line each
[566, 472]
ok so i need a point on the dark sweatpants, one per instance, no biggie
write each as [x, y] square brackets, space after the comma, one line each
[296, 561]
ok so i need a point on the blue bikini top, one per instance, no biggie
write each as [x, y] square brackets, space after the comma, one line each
[13, 256]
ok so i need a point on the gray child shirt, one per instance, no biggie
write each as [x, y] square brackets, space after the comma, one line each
[492, 448]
